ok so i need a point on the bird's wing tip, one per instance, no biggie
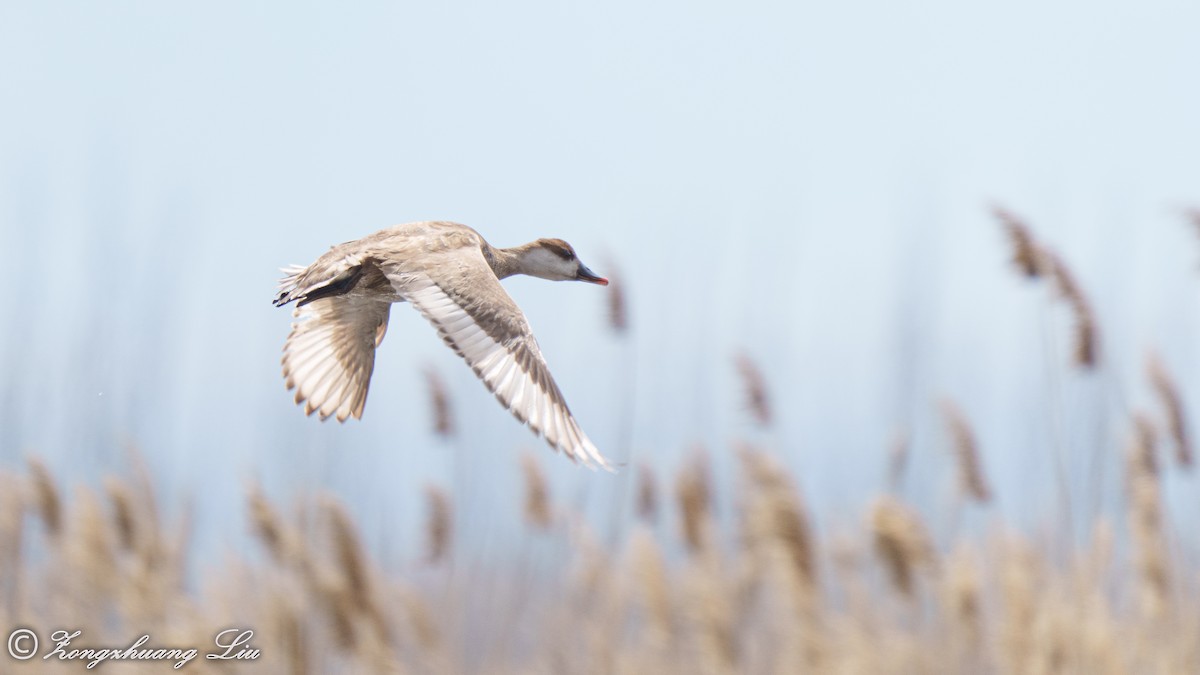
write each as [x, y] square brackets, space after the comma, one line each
[591, 458]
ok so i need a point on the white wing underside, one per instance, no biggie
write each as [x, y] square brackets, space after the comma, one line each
[330, 353]
[512, 369]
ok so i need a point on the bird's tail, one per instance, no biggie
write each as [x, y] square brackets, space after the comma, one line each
[289, 286]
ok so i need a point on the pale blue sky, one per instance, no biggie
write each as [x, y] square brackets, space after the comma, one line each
[805, 181]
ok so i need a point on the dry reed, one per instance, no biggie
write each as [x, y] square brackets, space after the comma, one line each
[653, 588]
[962, 595]
[789, 594]
[268, 526]
[693, 490]
[439, 523]
[1028, 256]
[439, 403]
[45, 497]
[618, 306]
[1036, 261]
[754, 385]
[319, 603]
[647, 494]
[124, 519]
[1172, 405]
[1086, 334]
[970, 466]
[776, 514]
[350, 556]
[898, 454]
[903, 544]
[12, 535]
[538, 512]
[1146, 518]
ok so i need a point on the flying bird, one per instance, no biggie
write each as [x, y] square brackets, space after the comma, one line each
[451, 275]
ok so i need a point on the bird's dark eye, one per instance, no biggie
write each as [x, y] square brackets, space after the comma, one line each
[559, 248]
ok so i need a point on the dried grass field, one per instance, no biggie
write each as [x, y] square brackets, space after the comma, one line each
[702, 582]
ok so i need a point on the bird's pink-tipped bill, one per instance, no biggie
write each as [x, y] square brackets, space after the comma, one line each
[589, 276]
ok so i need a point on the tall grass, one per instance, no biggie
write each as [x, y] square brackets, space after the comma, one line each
[765, 590]
[763, 594]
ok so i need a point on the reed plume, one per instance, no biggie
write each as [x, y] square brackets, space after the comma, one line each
[776, 514]
[1036, 261]
[1143, 460]
[538, 512]
[1086, 349]
[124, 518]
[650, 575]
[45, 497]
[439, 523]
[707, 615]
[12, 513]
[1146, 518]
[898, 455]
[349, 587]
[424, 625]
[693, 490]
[88, 544]
[966, 451]
[320, 603]
[293, 636]
[1027, 254]
[618, 310]
[1019, 579]
[964, 598]
[268, 526]
[12, 531]
[349, 554]
[647, 494]
[755, 387]
[1172, 404]
[439, 403]
[781, 553]
[901, 541]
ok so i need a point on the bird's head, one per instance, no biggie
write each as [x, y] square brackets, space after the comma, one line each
[554, 259]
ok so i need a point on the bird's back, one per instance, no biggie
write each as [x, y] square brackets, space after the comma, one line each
[408, 248]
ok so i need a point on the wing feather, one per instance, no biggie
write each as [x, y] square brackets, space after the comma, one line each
[480, 322]
[329, 356]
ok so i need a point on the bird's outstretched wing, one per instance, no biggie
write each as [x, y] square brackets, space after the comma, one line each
[329, 356]
[330, 353]
[460, 295]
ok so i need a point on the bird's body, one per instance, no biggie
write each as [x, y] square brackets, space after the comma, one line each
[451, 275]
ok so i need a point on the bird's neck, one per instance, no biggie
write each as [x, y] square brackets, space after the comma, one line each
[506, 262]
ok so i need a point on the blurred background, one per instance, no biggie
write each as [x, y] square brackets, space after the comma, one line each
[806, 184]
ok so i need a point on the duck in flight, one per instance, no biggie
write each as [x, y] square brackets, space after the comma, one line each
[451, 275]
